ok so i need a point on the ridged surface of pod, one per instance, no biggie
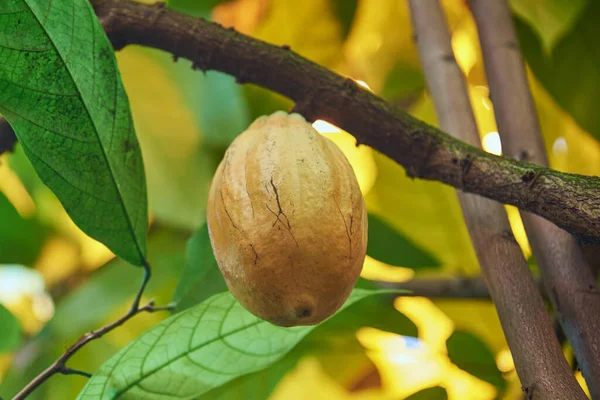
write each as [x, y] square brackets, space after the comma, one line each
[287, 221]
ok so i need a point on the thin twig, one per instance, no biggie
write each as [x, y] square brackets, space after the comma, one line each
[539, 360]
[569, 281]
[571, 201]
[60, 367]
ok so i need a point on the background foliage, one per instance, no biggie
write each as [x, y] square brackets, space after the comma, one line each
[57, 283]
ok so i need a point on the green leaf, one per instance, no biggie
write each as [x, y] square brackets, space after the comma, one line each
[61, 91]
[329, 341]
[201, 277]
[264, 102]
[551, 19]
[570, 72]
[433, 393]
[11, 332]
[403, 81]
[21, 239]
[471, 354]
[222, 111]
[388, 245]
[197, 350]
[345, 10]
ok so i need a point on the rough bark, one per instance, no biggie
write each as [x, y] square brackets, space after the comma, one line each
[539, 360]
[569, 281]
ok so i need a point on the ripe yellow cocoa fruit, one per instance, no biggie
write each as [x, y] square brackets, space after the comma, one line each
[287, 221]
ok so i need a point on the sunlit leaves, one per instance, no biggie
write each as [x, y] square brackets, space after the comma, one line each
[61, 91]
[309, 27]
[196, 350]
[552, 19]
[570, 71]
[427, 212]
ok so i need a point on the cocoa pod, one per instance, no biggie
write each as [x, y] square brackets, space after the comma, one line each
[287, 221]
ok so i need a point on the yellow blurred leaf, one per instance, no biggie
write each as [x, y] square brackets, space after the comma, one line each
[478, 317]
[178, 176]
[434, 326]
[360, 157]
[569, 147]
[426, 212]
[13, 189]
[58, 260]
[308, 380]
[243, 15]
[309, 27]
[378, 271]
[382, 37]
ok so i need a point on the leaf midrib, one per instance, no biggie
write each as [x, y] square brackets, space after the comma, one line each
[85, 106]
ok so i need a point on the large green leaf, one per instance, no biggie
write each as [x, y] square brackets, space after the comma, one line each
[390, 246]
[472, 355]
[61, 91]
[195, 351]
[201, 277]
[21, 239]
[329, 342]
[551, 19]
[570, 72]
[10, 333]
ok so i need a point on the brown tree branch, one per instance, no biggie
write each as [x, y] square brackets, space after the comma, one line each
[569, 282]
[571, 201]
[538, 356]
[444, 288]
[60, 365]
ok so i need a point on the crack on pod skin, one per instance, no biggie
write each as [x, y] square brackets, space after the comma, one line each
[246, 177]
[280, 212]
[347, 230]
[255, 255]
[226, 211]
